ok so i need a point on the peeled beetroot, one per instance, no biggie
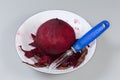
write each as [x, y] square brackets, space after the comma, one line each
[55, 36]
[51, 40]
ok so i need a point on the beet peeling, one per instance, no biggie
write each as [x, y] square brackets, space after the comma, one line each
[52, 39]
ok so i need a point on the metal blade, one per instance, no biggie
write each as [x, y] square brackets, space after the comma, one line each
[61, 59]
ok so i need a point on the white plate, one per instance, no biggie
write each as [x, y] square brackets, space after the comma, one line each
[23, 35]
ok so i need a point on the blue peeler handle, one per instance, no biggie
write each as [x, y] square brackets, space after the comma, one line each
[90, 36]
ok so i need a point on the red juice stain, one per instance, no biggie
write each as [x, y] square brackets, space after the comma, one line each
[76, 21]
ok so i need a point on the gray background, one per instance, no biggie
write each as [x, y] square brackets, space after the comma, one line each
[105, 64]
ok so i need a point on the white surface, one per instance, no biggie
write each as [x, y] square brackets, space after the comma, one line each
[104, 65]
[23, 35]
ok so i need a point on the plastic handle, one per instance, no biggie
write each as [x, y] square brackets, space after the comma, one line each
[90, 36]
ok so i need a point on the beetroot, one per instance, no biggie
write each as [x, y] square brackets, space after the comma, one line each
[52, 39]
[55, 36]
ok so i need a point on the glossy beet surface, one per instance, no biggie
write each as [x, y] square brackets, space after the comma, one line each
[55, 36]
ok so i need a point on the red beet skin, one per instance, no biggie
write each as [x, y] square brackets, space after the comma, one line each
[55, 36]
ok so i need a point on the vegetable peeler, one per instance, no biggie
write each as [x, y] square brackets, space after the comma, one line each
[81, 43]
